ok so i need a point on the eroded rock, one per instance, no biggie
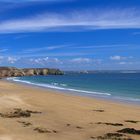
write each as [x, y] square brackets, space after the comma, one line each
[129, 131]
[15, 72]
[18, 113]
[25, 124]
[41, 130]
[98, 110]
[131, 121]
[113, 124]
[112, 136]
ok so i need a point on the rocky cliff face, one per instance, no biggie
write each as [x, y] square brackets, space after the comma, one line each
[15, 72]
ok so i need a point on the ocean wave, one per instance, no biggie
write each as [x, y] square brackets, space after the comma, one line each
[53, 86]
[65, 88]
[64, 85]
[57, 84]
[127, 99]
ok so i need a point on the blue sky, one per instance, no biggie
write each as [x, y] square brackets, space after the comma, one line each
[70, 34]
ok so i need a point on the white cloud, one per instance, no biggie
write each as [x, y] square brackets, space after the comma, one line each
[125, 63]
[74, 20]
[45, 61]
[57, 47]
[117, 57]
[54, 62]
[12, 60]
[1, 59]
[122, 63]
[81, 60]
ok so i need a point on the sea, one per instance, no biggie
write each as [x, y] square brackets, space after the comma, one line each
[123, 87]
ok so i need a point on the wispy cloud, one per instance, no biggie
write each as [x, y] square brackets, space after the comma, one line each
[21, 1]
[12, 60]
[125, 63]
[84, 60]
[45, 60]
[3, 50]
[75, 20]
[81, 60]
[47, 48]
[49, 61]
[9, 59]
[69, 63]
[122, 60]
[136, 33]
[118, 57]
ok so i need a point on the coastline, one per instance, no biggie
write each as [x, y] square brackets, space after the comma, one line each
[99, 96]
[65, 116]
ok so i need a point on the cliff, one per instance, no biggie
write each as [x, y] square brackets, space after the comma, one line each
[15, 72]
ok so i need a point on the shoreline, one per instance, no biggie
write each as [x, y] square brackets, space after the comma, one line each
[74, 94]
[110, 98]
[62, 116]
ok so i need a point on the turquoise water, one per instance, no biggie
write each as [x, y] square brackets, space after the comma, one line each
[117, 86]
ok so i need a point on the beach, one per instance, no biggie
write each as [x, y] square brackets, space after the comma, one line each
[32, 113]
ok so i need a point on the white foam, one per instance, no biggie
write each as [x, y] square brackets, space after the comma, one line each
[127, 99]
[57, 84]
[57, 87]
[54, 86]
[64, 85]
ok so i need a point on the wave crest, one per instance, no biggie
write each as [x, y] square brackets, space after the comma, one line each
[56, 86]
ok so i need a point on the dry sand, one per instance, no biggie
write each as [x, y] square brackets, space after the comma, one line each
[63, 117]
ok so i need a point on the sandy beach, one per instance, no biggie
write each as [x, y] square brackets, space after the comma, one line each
[30, 113]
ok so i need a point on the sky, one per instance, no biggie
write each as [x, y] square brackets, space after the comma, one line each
[70, 34]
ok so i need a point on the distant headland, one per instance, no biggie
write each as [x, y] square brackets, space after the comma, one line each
[16, 72]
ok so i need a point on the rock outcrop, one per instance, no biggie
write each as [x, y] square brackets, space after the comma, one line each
[15, 72]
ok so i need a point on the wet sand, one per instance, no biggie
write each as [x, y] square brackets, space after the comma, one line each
[29, 113]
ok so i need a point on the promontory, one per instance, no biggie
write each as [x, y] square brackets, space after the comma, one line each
[16, 72]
